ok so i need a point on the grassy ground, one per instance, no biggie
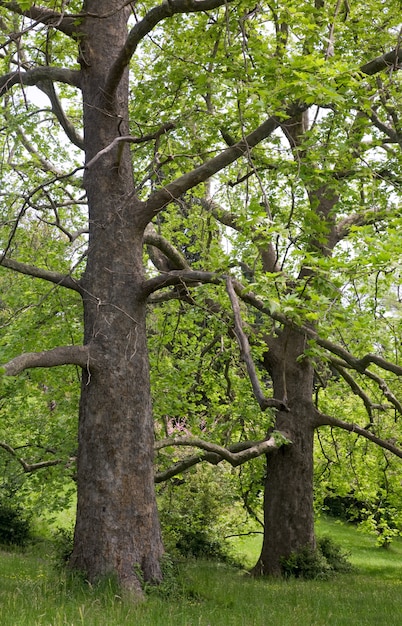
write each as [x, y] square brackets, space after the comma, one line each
[33, 594]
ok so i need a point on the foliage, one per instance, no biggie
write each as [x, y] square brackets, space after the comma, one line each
[62, 547]
[319, 563]
[15, 526]
[196, 512]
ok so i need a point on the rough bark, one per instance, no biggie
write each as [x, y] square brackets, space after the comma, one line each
[288, 489]
[117, 529]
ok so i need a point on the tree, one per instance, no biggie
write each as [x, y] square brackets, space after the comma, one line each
[133, 133]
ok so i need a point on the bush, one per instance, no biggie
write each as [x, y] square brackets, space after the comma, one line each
[319, 563]
[195, 514]
[15, 527]
[63, 546]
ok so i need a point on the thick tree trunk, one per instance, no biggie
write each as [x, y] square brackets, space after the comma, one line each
[288, 494]
[117, 529]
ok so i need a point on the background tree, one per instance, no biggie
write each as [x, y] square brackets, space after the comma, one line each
[146, 89]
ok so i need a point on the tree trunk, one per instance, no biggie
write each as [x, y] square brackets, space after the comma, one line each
[288, 493]
[117, 528]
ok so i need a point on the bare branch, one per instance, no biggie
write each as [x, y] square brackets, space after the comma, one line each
[248, 450]
[157, 14]
[63, 355]
[129, 139]
[30, 270]
[38, 74]
[327, 420]
[244, 345]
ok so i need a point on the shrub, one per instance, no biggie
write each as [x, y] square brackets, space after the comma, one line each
[15, 527]
[319, 563]
[63, 546]
[195, 516]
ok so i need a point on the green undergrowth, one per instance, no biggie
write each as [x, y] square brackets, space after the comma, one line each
[203, 593]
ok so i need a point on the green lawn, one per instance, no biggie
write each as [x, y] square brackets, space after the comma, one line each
[32, 593]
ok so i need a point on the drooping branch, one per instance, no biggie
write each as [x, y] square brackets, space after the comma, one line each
[30, 270]
[157, 14]
[29, 467]
[357, 390]
[194, 277]
[340, 365]
[244, 345]
[62, 355]
[327, 420]
[34, 76]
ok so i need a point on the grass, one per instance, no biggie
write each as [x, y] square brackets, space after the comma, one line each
[33, 594]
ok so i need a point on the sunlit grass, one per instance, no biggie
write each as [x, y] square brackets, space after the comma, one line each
[32, 593]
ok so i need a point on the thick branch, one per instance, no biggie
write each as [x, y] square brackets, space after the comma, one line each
[48, 88]
[38, 74]
[66, 24]
[371, 216]
[244, 345]
[157, 14]
[152, 238]
[30, 270]
[63, 355]
[327, 420]
[172, 191]
[383, 62]
[248, 450]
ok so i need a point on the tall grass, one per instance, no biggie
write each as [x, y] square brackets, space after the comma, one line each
[32, 593]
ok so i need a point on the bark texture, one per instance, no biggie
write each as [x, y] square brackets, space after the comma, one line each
[117, 529]
[288, 489]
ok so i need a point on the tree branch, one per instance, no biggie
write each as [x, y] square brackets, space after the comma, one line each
[194, 277]
[129, 139]
[235, 455]
[371, 216]
[38, 74]
[48, 88]
[63, 355]
[157, 14]
[66, 24]
[327, 420]
[29, 467]
[377, 379]
[383, 62]
[30, 270]
[152, 238]
[244, 345]
[172, 191]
